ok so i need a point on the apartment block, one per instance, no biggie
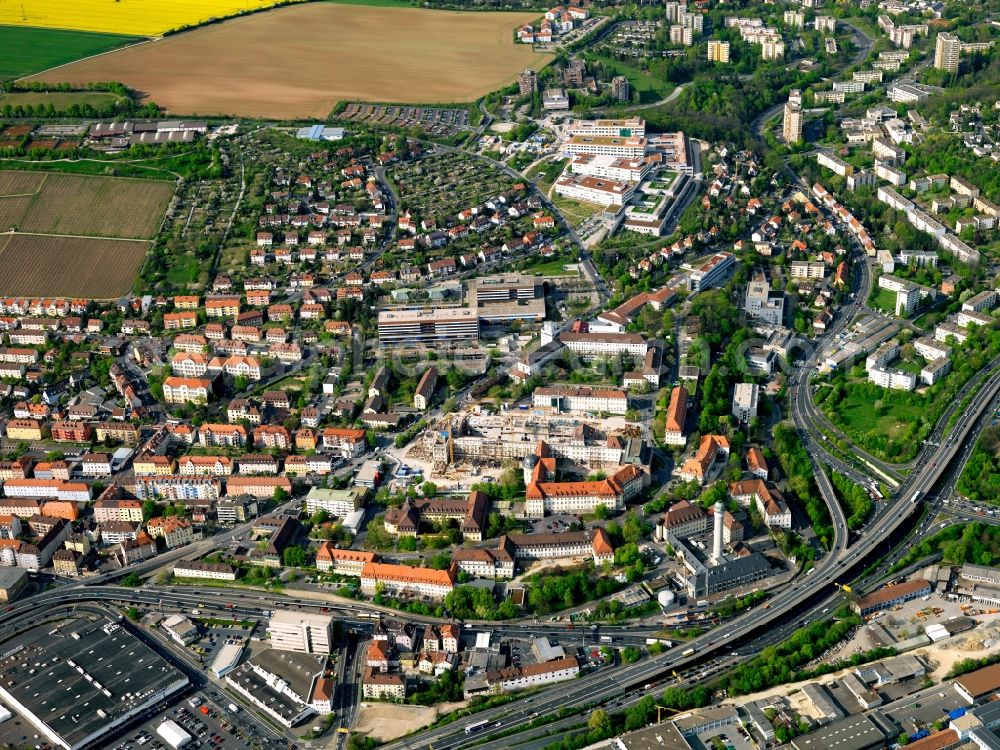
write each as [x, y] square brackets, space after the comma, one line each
[305, 632]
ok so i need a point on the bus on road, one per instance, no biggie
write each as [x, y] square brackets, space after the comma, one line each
[477, 727]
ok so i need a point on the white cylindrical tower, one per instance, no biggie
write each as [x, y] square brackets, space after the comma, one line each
[720, 511]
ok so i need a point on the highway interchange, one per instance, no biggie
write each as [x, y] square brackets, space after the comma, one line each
[805, 599]
[929, 481]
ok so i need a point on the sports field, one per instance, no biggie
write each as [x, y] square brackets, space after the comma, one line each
[135, 17]
[299, 61]
[24, 51]
[76, 235]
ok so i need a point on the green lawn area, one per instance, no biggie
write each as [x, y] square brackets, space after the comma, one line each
[233, 259]
[859, 416]
[183, 270]
[866, 25]
[26, 50]
[650, 89]
[94, 166]
[576, 212]
[547, 172]
[165, 167]
[907, 366]
[549, 268]
[883, 299]
[58, 99]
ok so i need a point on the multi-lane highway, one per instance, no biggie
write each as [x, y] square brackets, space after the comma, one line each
[839, 564]
[605, 685]
[802, 599]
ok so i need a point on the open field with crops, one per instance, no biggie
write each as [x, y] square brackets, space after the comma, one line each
[20, 183]
[135, 17]
[46, 266]
[259, 65]
[82, 205]
[24, 51]
[76, 235]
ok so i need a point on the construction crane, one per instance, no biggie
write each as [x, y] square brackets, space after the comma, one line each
[664, 708]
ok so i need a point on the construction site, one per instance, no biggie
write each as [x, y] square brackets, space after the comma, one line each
[466, 443]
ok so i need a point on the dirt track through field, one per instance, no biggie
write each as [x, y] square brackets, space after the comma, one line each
[90, 205]
[61, 222]
[297, 62]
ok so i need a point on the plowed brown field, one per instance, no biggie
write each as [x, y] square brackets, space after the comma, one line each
[99, 206]
[49, 260]
[82, 204]
[299, 61]
[44, 266]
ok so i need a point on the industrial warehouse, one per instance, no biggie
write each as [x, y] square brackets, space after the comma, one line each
[79, 679]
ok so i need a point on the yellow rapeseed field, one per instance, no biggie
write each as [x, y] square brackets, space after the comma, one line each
[133, 17]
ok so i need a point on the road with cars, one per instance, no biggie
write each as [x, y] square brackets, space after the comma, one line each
[805, 599]
[604, 685]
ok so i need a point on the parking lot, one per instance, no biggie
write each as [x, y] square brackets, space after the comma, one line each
[434, 120]
[552, 524]
[730, 738]
[521, 653]
[205, 716]
[215, 638]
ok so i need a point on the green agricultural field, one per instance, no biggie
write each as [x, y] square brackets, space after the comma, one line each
[59, 99]
[377, 3]
[650, 89]
[25, 50]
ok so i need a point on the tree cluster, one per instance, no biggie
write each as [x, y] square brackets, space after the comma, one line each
[980, 480]
[561, 589]
[855, 501]
[778, 664]
[976, 542]
[795, 462]
[471, 603]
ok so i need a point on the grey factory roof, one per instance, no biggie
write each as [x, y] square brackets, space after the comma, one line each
[83, 676]
[853, 733]
[694, 722]
[10, 577]
[984, 738]
[296, 669]
[988, 713]
[658, 737]
[821, 700]
[733, 570]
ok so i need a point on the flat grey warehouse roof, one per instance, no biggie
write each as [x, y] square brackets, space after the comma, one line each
[78, 679]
